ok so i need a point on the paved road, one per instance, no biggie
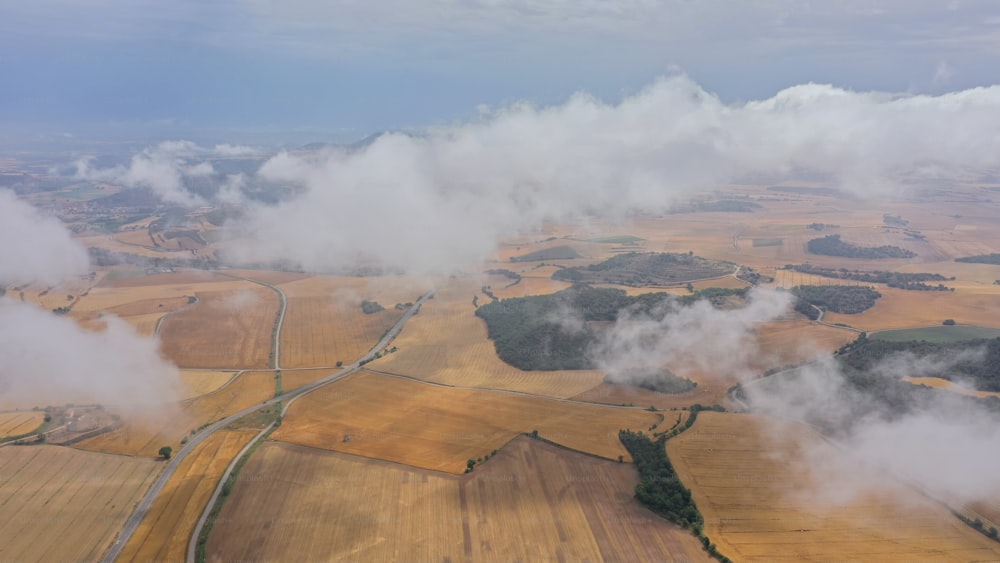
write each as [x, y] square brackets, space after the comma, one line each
[147, 501]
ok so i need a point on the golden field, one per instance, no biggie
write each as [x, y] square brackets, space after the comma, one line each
[20, 422]
[197, 382]
[164, 532]
[62, 504]
[439, 428]
[446, 343]
[968, 304]
[224, 329]
[760, 503]
[530, 502]
[324, 322]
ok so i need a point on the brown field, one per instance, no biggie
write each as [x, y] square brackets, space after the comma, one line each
[137, 237]
[527, 286]
[22, 422]
[796, 341]
[324, 323]
[61, 504]
[746, 476]
[143, 437]
[197, 382]
[273, 278]
[447, 343]
[532, 502]
[969, 304]
[440, 428]
[224, 329]
[53, 296]
[163, 533]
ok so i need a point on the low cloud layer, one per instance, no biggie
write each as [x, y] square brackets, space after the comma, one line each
[699, 337]
[50, 359]
[441, 199]
[946, 445]
[166, 169]
[36, 247]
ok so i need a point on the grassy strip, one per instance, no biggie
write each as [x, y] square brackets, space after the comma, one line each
[201, 548]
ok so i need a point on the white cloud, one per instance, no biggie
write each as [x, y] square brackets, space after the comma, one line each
[50, 359]
[442, 200]
[37, 247]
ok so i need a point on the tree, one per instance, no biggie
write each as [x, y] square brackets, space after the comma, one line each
[165, 452]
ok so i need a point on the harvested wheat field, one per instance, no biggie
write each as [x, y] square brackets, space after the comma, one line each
[796, 341]
[224, 329]
[613, 394]
[325, 324]
[198, 382]
[440, 428]
[20, 422]
[762, 503]
[502, 288]
[938, 383]
[969, 304]
[447, 343]
[144, 437]
[163, 533]
[531, 502]
[61, 504]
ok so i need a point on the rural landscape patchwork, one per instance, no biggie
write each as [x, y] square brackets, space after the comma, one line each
[763, 371]
[499, 281]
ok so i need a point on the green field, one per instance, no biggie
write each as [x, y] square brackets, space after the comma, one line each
[938, 334]
[767, 242]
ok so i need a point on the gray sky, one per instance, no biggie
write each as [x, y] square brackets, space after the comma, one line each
[249, 70]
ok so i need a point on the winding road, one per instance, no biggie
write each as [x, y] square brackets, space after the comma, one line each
[147, 501]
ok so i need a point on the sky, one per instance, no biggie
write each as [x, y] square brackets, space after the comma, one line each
[255, 71]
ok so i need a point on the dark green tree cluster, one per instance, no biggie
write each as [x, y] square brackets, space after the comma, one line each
[554, 253]
[718, 206]
[646, 268]
[831, 245]
[981, 259]
[371, 307]
[659, 487]
[983, 371]
[847, 299]
[901, 280]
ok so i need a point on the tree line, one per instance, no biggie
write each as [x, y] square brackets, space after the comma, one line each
[831, 245]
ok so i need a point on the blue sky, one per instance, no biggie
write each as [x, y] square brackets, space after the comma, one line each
[340, 69]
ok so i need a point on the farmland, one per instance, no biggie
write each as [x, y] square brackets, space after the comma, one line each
[163, 534]
[224, 329]
[531, 502]
[324, 323]
[750, 480]
[440, 428]
[446, 343]
[19, 422]
[61, 504]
